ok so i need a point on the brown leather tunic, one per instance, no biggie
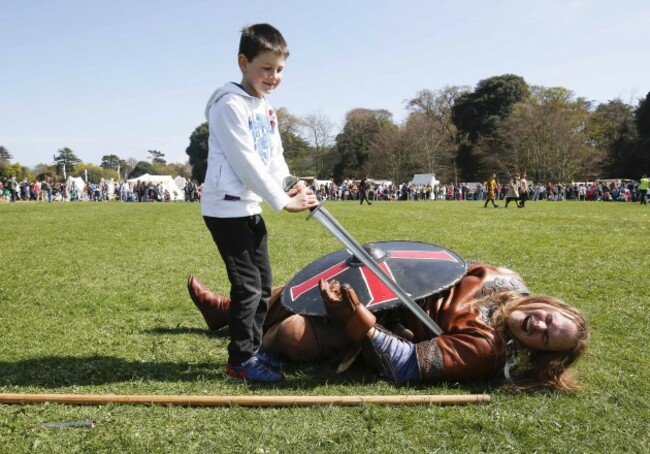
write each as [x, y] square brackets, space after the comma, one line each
[469, 349]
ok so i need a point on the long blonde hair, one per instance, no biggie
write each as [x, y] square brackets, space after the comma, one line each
[544, 369]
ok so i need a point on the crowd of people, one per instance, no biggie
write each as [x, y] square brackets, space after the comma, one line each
[51, 190]
[12, 190]
[351, 189]
[604, 190]
[517, 188]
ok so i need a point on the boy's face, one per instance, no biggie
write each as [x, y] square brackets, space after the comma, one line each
[262, 74]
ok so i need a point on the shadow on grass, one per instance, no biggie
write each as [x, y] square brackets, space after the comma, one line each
[60, 371]
[66, 371]
[220, 333]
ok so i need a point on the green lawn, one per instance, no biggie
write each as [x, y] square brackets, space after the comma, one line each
[93, 301]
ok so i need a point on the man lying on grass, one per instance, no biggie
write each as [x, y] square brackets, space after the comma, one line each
[492, 328]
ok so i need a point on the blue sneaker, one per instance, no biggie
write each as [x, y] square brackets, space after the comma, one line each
[270, 361]
[253, 370]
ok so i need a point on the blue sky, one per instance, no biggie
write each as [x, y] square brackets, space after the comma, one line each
[123, 77]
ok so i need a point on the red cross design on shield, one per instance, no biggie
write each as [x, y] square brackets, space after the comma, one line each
[378, 292]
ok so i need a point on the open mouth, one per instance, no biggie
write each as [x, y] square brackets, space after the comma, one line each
[525, 323]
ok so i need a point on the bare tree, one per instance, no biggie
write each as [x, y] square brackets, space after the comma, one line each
[429, 130]
[389, 158]
[430, 146]
[132, 162]
[319, 130]
[437, 106]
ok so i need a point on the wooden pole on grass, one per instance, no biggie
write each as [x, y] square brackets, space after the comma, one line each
[245, 401]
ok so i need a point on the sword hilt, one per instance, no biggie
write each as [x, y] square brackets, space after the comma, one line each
[289, 182]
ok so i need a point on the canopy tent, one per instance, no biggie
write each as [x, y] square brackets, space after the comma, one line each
[76, 183]
[426, 179]
[168, 183]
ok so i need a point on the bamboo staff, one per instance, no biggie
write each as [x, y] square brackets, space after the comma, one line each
[245, 401]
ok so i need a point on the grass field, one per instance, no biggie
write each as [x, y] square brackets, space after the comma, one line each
[93, 300]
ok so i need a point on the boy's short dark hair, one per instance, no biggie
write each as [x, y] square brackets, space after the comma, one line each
[259, 38]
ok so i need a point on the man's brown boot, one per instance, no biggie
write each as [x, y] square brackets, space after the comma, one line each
[213, 307]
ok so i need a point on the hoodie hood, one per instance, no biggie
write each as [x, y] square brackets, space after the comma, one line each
[230, 87]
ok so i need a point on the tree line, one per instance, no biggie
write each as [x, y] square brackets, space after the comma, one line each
[66, 163]
[503, 125]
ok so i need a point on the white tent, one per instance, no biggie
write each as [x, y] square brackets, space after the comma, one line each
[180, 181]
[426, 178]
[175, 193]
[76, 183]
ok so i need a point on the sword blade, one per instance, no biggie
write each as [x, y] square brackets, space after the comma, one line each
[331, 224]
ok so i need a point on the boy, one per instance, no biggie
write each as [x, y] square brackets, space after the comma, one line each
[245, 166]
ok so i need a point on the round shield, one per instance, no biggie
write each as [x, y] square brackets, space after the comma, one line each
[420, 269]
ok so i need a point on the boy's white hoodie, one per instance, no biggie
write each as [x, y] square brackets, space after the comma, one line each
[245, 156]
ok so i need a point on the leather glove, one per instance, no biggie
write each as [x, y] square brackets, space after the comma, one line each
[343, 308]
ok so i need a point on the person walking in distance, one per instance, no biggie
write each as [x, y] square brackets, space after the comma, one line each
[643, 189]
[513, 190]
[363, 190]
[523, 190]
[491, 191]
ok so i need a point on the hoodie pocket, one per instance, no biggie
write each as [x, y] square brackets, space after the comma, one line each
[229, 184]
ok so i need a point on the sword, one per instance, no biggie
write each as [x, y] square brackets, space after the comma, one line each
[327, 220]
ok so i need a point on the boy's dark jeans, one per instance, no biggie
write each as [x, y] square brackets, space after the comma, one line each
[242, 243]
